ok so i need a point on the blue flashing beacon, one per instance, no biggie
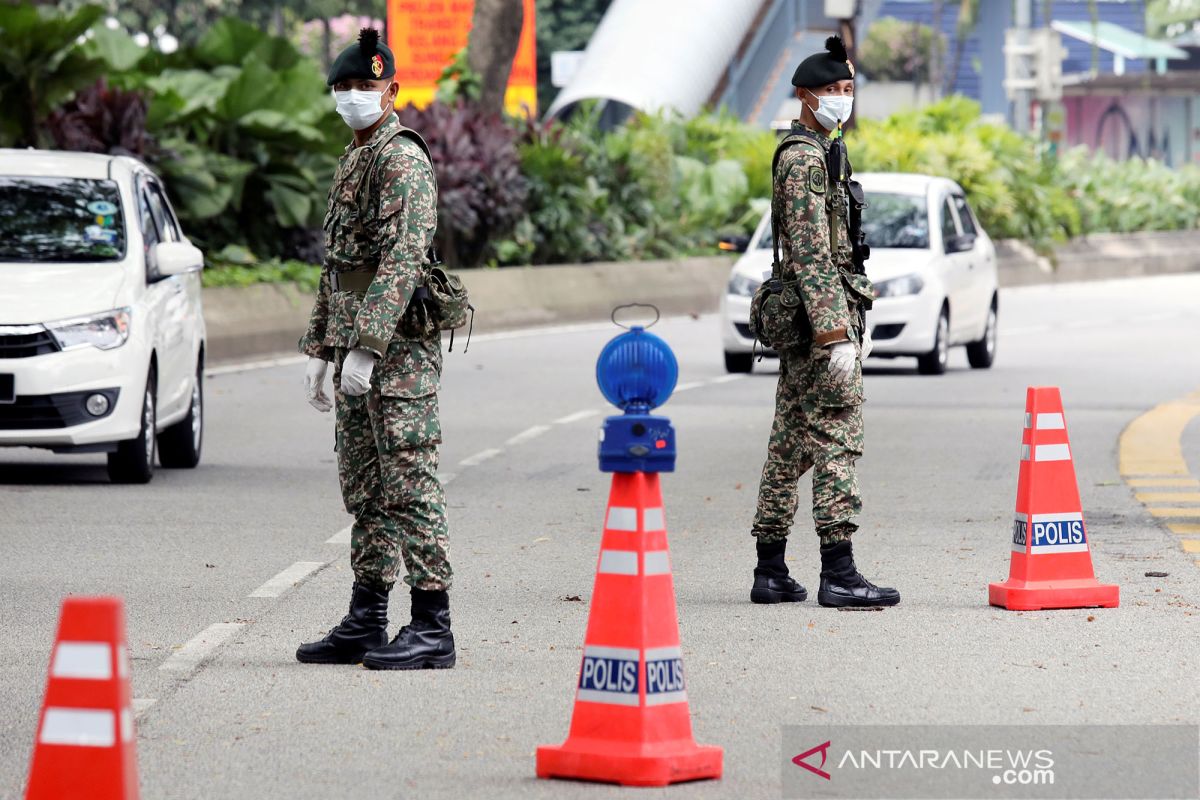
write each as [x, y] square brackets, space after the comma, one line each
[637, 372]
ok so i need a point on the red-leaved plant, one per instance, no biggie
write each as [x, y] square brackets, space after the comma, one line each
[100, 119]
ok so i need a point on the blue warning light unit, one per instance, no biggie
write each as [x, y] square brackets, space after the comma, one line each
[637, 372]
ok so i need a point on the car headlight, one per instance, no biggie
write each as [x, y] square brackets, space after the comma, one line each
[104, 331]
[899, 287]
[743, 286]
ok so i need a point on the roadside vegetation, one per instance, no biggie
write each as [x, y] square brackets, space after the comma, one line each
[241, 127]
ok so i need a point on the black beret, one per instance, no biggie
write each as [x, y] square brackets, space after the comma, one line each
[822, 69]
[367, 59]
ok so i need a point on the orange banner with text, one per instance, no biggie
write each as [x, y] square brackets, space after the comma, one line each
[425, 35]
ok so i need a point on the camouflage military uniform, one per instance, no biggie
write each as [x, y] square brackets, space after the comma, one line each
[387, 439]
[818, 420]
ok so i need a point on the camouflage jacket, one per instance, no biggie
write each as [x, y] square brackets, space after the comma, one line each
[392, 241]
[818, 252]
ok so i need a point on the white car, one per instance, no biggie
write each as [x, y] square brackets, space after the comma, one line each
[101, 332]
[933, 266]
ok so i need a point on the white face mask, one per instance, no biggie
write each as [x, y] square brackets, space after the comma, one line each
[834, 110]
[359, 109]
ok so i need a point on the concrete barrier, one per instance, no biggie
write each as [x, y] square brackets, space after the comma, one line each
[268, 319]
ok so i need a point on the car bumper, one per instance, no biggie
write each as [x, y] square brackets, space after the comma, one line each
[51, 390]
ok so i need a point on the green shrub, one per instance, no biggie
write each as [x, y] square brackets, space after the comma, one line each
[895, 50]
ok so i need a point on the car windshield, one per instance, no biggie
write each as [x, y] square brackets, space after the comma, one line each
[60, 220]
[896, 220]
[889, 220]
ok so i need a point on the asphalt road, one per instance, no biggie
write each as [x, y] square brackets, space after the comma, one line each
[227, 712]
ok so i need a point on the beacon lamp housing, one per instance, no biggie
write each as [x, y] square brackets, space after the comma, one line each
[637, 372]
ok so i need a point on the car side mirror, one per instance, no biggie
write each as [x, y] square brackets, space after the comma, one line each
[961, 243]
[176, 258]
[733, 244]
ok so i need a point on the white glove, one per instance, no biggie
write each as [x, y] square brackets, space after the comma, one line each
[867, 344]
[356, 372]
[841, 361]
[314, 384]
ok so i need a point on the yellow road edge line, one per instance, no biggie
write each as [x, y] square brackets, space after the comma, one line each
[1162, 483]
[1175, 512]
[1183, 528]
[1151, 444]
[1191, 545]
[1168, 497]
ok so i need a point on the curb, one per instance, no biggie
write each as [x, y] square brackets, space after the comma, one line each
[268, 319]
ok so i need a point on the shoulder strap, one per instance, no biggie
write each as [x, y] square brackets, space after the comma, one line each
[797, 136]
[364, 190]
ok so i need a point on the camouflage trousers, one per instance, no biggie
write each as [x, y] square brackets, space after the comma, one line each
[387, 448]
[818, 426]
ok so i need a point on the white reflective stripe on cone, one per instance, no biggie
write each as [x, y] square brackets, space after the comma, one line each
[655, 520]
[1028, 420]
[1050, 422]
[618, 562]
[1052, 452]
[658, 562]
[1024, 452]
[622, 519]
[82, 727]
[85, 660]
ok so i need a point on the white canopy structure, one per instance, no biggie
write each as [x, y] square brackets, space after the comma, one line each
[654, 55]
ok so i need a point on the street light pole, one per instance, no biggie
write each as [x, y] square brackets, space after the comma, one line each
[1023, 96]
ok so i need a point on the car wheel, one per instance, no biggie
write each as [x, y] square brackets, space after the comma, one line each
[982, 353]
[133, 462]
[179, 445]
[739, 362]
[934, 362]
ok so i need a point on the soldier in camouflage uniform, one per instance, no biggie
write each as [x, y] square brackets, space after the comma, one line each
[818, 407]
[369, 321]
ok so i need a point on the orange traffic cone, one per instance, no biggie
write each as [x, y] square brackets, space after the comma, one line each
[631, 723]
[85, 742]
[1051, 564]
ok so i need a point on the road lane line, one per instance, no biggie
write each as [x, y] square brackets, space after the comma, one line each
[1163, 483]
[527, 435]
[727, 379]
[188, 658]
[267, 363]
[1151, 445]
[1175, 512]
[687, 387]
[1191, 545]
[577, 417]
[480, 457]
[446, 477]
[287, 579]
[1168, 497]
[1184, 528]
[341, 537]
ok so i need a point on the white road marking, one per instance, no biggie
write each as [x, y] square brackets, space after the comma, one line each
[188, 658]
[480, 457]
[287, 579]
[727, 379]
[341, 537]
[527, 435]
[577, 416]
[446, 477]
[267, 363]
[1026, 329]
[687, 387]
[142, 704]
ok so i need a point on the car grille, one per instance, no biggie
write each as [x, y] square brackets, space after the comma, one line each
[882, 332]
[26, 341]
[48, 411]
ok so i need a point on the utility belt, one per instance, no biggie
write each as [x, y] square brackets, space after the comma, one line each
[360, 282]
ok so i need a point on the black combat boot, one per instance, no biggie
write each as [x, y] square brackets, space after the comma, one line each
[771, 581]
[424, 643]
[842, 584]
[363, 629]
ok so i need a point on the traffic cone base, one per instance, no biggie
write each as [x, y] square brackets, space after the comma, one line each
[1051, 564]
[631, 723]
[657, 764]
